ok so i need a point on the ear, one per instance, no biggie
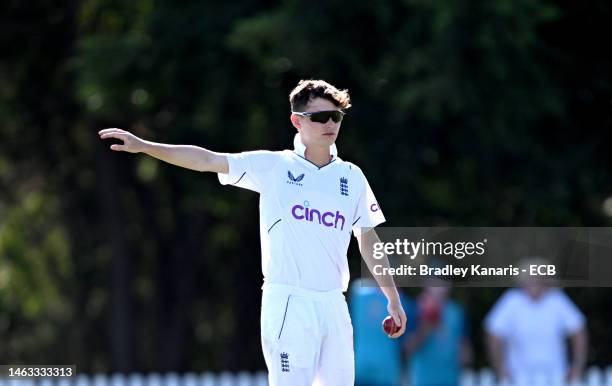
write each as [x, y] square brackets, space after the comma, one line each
[295, 120]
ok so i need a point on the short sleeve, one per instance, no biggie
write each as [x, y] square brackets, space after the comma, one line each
[249, 169]
[573, 319]
[367, 212]
[499, 320]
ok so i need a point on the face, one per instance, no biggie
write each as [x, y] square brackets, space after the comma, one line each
[439, 292]
[314, 133]
[534, 290]
[534, 286]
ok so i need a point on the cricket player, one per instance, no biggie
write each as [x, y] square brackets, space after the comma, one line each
[310, 201]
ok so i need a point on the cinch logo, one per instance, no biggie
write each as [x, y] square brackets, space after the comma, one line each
[374, 207]
[329, 219]
[294, 180]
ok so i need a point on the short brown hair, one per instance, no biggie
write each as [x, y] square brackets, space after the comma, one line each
[306, 90]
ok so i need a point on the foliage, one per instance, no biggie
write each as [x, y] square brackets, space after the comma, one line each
[466, 113]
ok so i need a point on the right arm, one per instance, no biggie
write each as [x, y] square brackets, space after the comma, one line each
[579, 346]
[495, 348]
[366, 242]
[186, 156]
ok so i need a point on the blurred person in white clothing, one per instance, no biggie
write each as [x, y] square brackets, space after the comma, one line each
[527, 332]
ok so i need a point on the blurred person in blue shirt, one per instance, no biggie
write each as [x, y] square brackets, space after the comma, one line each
[439, 347]
[377, 357]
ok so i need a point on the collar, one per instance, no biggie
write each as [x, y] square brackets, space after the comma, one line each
[300, 148]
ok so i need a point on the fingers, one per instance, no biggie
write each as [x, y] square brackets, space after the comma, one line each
[116, 147]
[400, 319]
[117, 134]
[113, 134]
[111, 130]
[121, 136]
[398, 333]
[396, 318]
[403, 325]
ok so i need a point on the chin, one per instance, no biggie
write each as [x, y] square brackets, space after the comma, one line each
[329, 142]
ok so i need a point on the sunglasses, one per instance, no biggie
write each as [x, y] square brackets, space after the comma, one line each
[322, 116]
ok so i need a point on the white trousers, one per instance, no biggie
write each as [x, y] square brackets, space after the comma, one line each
[306, 337]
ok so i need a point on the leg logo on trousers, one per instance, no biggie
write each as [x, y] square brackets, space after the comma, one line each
[284, 358]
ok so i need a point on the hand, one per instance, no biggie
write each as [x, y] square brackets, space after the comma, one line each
[503, 375]
[399, 317]
[131, 143]
[573, 374]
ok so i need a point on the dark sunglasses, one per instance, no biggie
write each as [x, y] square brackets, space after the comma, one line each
[322, 116]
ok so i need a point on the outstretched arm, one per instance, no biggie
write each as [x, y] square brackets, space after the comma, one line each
[186, 156]
[386, 283]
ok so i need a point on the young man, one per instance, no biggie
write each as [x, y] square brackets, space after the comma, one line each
[310, 200]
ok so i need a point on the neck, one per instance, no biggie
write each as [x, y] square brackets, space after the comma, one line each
[318, 155]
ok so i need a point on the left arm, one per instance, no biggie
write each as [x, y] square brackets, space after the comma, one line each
[578, 342]
[466, 354]
[387, 285]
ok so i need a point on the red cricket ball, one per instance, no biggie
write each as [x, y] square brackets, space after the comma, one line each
[389, 326]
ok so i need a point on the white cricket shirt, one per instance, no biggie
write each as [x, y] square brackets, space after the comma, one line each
[306, 213]
[534, 331]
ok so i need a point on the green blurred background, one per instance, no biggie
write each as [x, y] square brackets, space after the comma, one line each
[472, 113]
